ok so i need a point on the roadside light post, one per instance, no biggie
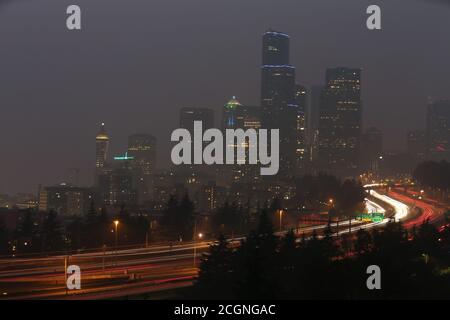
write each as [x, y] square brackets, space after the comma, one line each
[195, 247]
[195, 243]
[116, 224]
[331, 202]
[65, 272]
[280, 213]
[199, 236]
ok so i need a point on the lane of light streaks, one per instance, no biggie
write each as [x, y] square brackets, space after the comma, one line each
[401, 209]
[374, 207]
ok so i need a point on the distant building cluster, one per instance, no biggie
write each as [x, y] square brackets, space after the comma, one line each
[320, 131]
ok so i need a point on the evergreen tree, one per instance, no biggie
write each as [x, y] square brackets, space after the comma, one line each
[52, 239]
[256, 263]
[92, 214]
[74, 233]
[25, 235]
[186, 217]
[4, 236]
[216, 272]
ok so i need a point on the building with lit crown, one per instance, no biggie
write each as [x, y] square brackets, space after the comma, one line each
[101, 147]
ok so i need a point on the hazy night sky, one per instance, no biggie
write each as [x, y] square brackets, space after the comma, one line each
[137, 62]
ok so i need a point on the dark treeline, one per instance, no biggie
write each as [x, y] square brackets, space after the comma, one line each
[39, 232]
[313, 192]
[179, 218]
[413, 265]
[434, 175]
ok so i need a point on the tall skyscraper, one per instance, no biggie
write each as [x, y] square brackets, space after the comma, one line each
[301, 126]
[314, 109]
[340, 121]
[187, 118]
[278, 97]
[116, 183]
[237, 116]
[438, 130]
[101, 147]
[416, 145]
[189, 115]
[313, 122]
[278, 76]
[142, 147]
[372, 149]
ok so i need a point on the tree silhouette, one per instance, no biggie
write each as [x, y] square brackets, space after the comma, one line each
[264, 267]
[4, 236]
[179, 217]
[216, 271]
[226, 219]
[25, 235]
[52, 239]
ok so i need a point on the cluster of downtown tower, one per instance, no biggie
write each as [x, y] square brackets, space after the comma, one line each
[284, 105]
[320, 131]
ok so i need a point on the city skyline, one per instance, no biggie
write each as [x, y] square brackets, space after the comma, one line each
[192, 151]
[74, 127]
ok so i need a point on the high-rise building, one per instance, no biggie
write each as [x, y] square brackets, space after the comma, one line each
[237, 116]
[142, 148]
[340, 121]
[372, 149]
[313, 123]
[187, 118]
[278, 76]
[301, 126]
[438, 130]
[189, 115]
[275, 48]
[101, 147]
[116, 184]
[66, 199]
[416, 145]
[278, 97]
[314, 107]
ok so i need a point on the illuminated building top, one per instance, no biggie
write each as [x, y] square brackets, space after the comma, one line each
[102, 133]
[232, 104]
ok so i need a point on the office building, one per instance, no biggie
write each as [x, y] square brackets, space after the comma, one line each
[438, 130]
[340, 122]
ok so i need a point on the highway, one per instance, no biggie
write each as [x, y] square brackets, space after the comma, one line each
[160, 268]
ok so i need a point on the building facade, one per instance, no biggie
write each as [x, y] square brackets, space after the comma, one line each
[142, 148]
[438, 130]
[340, 119]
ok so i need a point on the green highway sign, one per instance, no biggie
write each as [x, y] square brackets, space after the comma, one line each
[370, 217]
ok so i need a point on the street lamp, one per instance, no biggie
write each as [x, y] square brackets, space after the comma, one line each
[196, 236]
[116, 224]
[280, 213]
